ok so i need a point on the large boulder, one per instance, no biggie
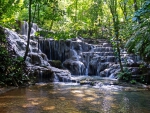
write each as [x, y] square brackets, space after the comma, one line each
[74, 66]
[48, 74]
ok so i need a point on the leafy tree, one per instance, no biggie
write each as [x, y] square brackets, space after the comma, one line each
[139, 42]
[112, 4]
[8, 9]
[11, 68]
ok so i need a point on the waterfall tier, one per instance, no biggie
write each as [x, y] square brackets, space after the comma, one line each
[94, 57]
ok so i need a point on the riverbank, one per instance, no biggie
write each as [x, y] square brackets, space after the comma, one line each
[6, 89]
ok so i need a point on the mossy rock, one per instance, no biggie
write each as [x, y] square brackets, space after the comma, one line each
[56, 63]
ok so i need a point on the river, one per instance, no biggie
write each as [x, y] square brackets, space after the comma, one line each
[74, 98]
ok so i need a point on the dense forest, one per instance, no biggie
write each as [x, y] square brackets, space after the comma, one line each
[125, 23]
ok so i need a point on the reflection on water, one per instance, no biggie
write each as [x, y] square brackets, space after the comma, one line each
[73, 98]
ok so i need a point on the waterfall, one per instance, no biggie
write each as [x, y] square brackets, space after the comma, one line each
[56, 79]
[50, 53]
[24, 28]
[40, 76]
[87, 67]
[84, 57]
[80, 57]
[36, 62]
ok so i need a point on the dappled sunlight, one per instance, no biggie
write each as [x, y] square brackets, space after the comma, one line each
[33, 99]
[89, 91]
[52, 92]
[92, 93]
[79, 95]
[110, 98]
[27, 105]
[74, 99]
[3, 104]
[116, 93]
[62, 98]
[114, 106]
[88, 98]
[35, 103]
[77, 91]
[42, 99]
[49, 108]
[96, 102]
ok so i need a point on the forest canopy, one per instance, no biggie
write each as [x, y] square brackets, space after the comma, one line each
[117, 20]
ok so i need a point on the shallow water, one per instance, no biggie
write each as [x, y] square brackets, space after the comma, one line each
[73, 98]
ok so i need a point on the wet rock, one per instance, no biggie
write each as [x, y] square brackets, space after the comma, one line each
[55, 63]
[75, 67]
[37, 64]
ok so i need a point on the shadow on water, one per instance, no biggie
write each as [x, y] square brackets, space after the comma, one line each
[73, 98]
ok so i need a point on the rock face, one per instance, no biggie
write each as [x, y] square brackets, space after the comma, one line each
[89, 57]
[81, 56]
[36, 62]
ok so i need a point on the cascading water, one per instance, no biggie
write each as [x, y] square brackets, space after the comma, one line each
[83, 57]
[79, 56]
[24, 28]
[36, 62]
[87, 68]
[40, 76]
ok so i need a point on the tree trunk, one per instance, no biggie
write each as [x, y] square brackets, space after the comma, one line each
[113, 10]
[116, 29]
[38, 23]
[29, 30]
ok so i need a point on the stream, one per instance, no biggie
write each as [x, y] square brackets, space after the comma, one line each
[60, 97]
[77, 57]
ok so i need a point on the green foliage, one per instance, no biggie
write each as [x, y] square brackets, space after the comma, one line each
[8, 11]
[63, 35]
[11, 68]
[144, 11]
[133, 81]
[56, 35]
[139, 42]
[125, 75]
[72, 16]
[56, 63]
[44, 12]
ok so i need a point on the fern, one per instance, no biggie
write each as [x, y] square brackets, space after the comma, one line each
[140, 39]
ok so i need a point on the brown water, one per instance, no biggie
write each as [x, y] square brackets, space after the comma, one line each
[72, 98]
